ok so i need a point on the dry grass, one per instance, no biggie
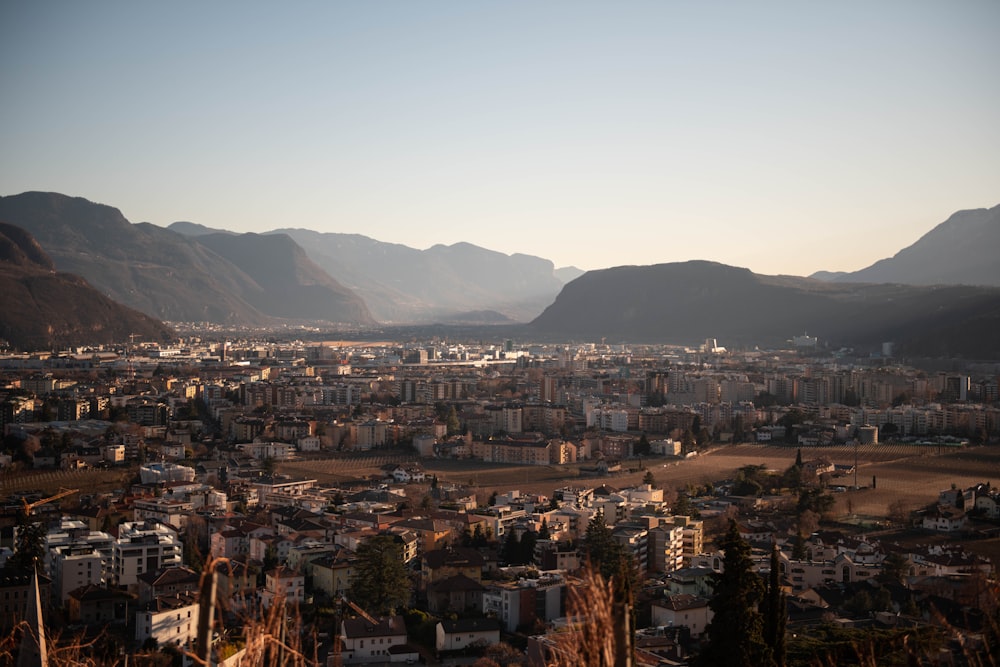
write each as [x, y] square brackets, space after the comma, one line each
[590, 642]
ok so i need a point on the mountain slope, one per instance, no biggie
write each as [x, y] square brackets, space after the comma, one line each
[962, 250]
[690, 301]
[291, 284]
[404, 284]
[44, 309]
[158, 271]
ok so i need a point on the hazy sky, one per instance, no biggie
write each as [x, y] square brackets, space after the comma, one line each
[786, 137]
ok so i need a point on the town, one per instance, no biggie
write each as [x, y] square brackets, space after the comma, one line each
[233, 499]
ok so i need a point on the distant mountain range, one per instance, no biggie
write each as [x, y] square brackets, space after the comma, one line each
[251, 279]
[442, 283]
[44, 309]
[690, 301]
[190, 272]
[962, 250]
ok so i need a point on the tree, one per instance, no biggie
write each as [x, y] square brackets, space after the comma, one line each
[642, 446]
[808, 522]
[29, 544]
[683, 506]
[648, 478]
[775, 612]
[543, 530]
[688, 442]
[380, 584]
[511, 551]
[898, 512]
[192, 553]
[735, 635]
[606, 555]
[894, 567]
[453, 424]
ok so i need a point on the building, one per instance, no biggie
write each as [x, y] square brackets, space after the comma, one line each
[169, 620]
[144, 547]
[16, 590]
[74, 567]
[364, 641]
[689, 611]
[523, 603]
[170, 581]
[283, 585]
[462, 633]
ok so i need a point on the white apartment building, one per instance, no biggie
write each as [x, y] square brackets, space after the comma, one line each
[72, 535]
[75, 566]
[169, 619]
[144, 547]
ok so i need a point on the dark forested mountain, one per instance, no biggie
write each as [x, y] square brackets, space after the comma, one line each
[690, 301]
[962, 250]
[404, 284]
[172, 276]
[44, 309]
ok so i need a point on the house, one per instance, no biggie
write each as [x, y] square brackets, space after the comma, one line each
[170, 581]
[458, 593]
[332, 573]
[442, 564]
[462, 633]
[282, 584]
[944, 519]
[169, 619]
[689, 611]
[97, 605]
[364, 641]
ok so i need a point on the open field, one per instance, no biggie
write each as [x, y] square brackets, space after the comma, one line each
[91, 480]
[910, 473]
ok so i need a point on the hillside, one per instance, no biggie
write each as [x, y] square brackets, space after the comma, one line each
[168, 275]
[291, 285]
[403, 284]
[687, 302]
[44, 309]
[962, 250]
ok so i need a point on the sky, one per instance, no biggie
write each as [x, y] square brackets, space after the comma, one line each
[785, 137]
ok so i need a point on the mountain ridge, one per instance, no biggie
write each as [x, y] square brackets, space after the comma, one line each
[160, 272]
[46, 309]
[959, 251]
[687, 302]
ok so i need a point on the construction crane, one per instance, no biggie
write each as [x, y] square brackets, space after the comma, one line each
[361, 612]
[62, 493]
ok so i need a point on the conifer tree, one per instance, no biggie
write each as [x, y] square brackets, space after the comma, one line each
[735, 634]
[380, 583]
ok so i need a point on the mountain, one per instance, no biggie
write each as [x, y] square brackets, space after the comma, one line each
[567, 273]
[403, 284]
[291, 285]
[44, 309]
[962, 250]
[171, 276]
[687, 302]
[194, 229]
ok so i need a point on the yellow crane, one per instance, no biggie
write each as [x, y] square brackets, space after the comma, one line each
[361, 612]
[61, 493]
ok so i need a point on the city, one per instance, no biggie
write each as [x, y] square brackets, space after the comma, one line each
[488, 473]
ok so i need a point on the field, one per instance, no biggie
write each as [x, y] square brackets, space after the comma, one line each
[94, 480]
[902, 472]
[912, 474]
